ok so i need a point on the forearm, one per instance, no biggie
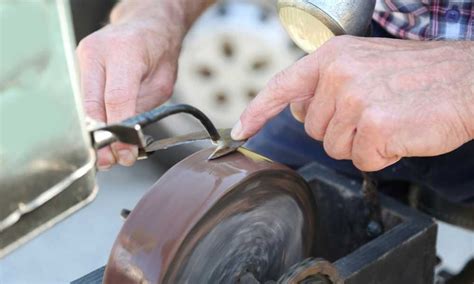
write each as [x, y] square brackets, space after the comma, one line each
[180, 14]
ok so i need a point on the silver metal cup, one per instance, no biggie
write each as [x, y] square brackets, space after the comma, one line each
[351, 17]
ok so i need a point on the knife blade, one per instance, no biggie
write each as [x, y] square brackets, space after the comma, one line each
[224, 146]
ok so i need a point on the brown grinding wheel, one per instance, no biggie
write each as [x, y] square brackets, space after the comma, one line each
[214, 222]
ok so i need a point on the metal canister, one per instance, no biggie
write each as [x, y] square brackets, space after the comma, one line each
[310, 23]
[46, 159]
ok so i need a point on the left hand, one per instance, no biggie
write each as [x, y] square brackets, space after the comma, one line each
[375, 101]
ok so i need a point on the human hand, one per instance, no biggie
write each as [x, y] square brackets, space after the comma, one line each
[374, 101]
[128, 67]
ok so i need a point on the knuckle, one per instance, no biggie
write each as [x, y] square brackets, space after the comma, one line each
[352, 101]
[362, 165]
[341, 65]
[363, 162]
[393, 148]
[166, 89]
[88, 46]
[117, 98]
[92, 104]
[165, 83]
[368, 164]
[123, 40]
[94, 108]
[333, 151]
[311, 129]
[373, 122]
[119, 43]
[336, 147]
[338, 71]
[346, 65]
[126, 40]
[162, 91]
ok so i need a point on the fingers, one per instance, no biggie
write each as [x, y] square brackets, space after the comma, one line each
[92, 85]
[126, 68]
[369, 150]
[295, 84]
[120, 97]
[341, 130]
[319, 113]
[339, 136]
[350, 129]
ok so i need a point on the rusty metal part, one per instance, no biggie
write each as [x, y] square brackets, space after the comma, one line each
[312, 270]
[214, 221]
[369, 188]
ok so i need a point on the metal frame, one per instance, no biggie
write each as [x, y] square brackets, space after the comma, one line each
[404, 253]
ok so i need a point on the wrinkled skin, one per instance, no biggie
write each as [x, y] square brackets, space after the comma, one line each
[130, 65]
[372, 101]
[375, 101]
[117, 83]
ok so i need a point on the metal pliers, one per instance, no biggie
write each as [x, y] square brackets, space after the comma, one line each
[130, 131]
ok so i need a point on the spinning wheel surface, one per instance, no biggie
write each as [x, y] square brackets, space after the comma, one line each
[214, 222]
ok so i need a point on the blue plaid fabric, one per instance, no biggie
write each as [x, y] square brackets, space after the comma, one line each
[427, 19]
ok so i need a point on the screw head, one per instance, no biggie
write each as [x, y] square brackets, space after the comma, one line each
[374, 229]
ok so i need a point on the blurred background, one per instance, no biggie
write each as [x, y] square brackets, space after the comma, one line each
[228, 56]
[232, 50]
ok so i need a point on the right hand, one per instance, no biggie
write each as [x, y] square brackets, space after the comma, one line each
[127, 68]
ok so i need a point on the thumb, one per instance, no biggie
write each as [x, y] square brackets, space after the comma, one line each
[297, 83]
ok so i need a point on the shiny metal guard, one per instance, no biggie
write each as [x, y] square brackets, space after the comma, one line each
[46, 159]
[216, 221]
[351, 17]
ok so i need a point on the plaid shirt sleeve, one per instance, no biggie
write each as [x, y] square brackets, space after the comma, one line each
[427, 19]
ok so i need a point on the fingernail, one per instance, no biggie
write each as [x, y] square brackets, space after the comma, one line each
[297, 110]
[236, 132]
[106, 161]
[126, 157]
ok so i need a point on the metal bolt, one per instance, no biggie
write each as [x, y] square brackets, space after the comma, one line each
[374, 229]
[124, 213]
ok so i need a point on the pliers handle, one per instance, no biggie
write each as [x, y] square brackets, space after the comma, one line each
[130, 131]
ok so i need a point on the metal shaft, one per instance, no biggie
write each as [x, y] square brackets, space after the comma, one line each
[369, 189]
